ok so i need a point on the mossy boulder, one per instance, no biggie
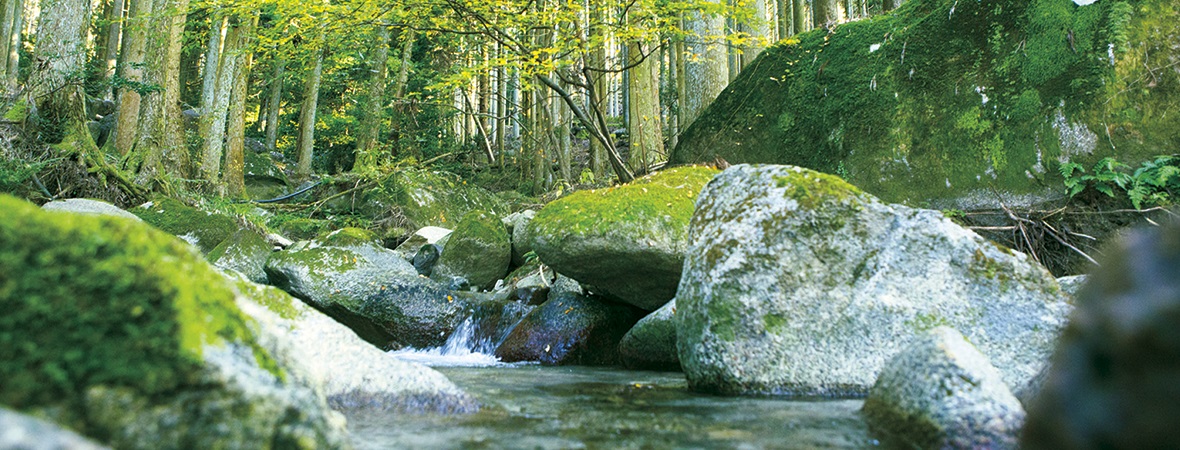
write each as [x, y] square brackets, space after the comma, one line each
[570, 330]
[263, 176]
[1112, 382]
[125, 334]
[797, 283]
[205, 230]
[88, 206]
[245, 252]
[301, 228]
[627, 240]
[367, 287]
[417, 196]
[355, 373]
[478, 251]
[943, 101]
[651, 343]
[941, 392]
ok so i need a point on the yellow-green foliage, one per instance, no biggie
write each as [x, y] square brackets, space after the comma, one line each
[942, 97]
[666, 198]
[94, 300]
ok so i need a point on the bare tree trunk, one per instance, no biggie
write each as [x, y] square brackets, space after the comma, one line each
[562, 143]
[8, 12]
[802, 13]
[161, 135]
[311, 95]
[61, 48]
[371, 121]
[114, 35]
[890, 5]
[708, 74]
[647, 141]
[273, 102]
[760, 32]
[218, 27]
[234, 176]
[131, 70]
[597, 60]
[213, 114]
[12, 71]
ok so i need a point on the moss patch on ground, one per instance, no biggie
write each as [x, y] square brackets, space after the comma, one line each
[942, 98]
[92, 300]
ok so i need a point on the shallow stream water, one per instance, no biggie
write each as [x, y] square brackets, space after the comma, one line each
[530, 406]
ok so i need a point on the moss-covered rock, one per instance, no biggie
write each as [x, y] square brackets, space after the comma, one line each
[628, 240]
[651, 343]
[941, 392]
[570, 330]
[245, 252]
[205, 230]
[300, 228]
[478, 251]
[125, 334]
[943, 100]
[518, 231]
[263, 176]
[419, 197]
[367, 287]
[797, 283]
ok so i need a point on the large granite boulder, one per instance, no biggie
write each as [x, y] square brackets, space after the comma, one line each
[522, 239]
[651, 343]
[367, 287]
[21, 432]
[205, 230]
[1113, 378]
[123, 333]
[245, 252]
[355, 374]
[570, 330]
[941, 392]
[478, 251]
[88, 206]
[627, 240]
[797, 283]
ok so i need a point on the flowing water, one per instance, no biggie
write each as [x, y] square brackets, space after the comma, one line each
[531, 406]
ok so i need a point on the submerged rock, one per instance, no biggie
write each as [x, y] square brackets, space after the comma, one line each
[205, 230]
[477, 251]
[628, 240]
[88, 206]
[22, 432]
[941, 392]
[797, 283]
[570, 329]
[245, 252]
[355, 373]
[651, 343]
[124, 333]
[367, 287]
[1113, 379]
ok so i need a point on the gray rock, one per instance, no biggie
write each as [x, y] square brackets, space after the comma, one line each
[367, 287]
[941, 392]
[518, 230]
[565, 285]
[797, 283]
[651, 343]
[425, 235]
[1072, 284]
[1113, 379]
[570, 329]
[629, 241]
[21, 432]
[245, 252]
[477, 251]
[88, 206]
[355, 374]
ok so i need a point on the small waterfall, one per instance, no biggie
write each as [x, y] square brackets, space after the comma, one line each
[474, 342]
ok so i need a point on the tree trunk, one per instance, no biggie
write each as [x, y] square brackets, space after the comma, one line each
[131, 70]
[161, 134]
[890, 5]
[827, 13]
[114, 35]
[8, 10]
[370, 122]
[218, 27]
[647, 141]
[801, 9]
[760, 32]
[61, 49]
[311, 95]
[14, 42]
[234, 176]
[597, 60]
[273, 102]
[707, 74]
[213, 114]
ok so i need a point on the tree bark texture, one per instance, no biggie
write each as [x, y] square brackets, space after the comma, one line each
[131, 70]
[160, 136]
[370, 121]
[234, 173]
[213, 114]
[706, 72]
[647, 140]
[274, 101]
[311, 95]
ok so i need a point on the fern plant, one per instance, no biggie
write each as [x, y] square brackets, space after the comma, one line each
[1153, 183]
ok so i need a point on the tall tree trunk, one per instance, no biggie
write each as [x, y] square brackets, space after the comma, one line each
[213, 114]
[802, 13]
[14, 43]
[890, 5]
[541, 130]
[311, 96]
[61, 49]
[8, 12]
[114, 35]
[597, 60]
[131, 69]
[827, 13]
[218, 27]
[760, 32]
[366, 155]
[647, 141]
[161, 134]
[234, 176]
[707, 74]
[273, 102]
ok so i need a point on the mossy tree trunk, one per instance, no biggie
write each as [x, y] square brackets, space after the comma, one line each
[233, 175]
[8, 13]
[311, 94]
[370, 122]
[213, 114]
[218, 28]
[130, 68]
[160, 138]
[107, 48]
[274, 101]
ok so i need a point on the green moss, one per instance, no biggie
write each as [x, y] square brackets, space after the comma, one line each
[346, 237]
[91, 300]
[925, 321]
[812, 189]
[18, 112]
[774, 323]
[431, 197]
[300, 228]
[665, 198]
[206, 229]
